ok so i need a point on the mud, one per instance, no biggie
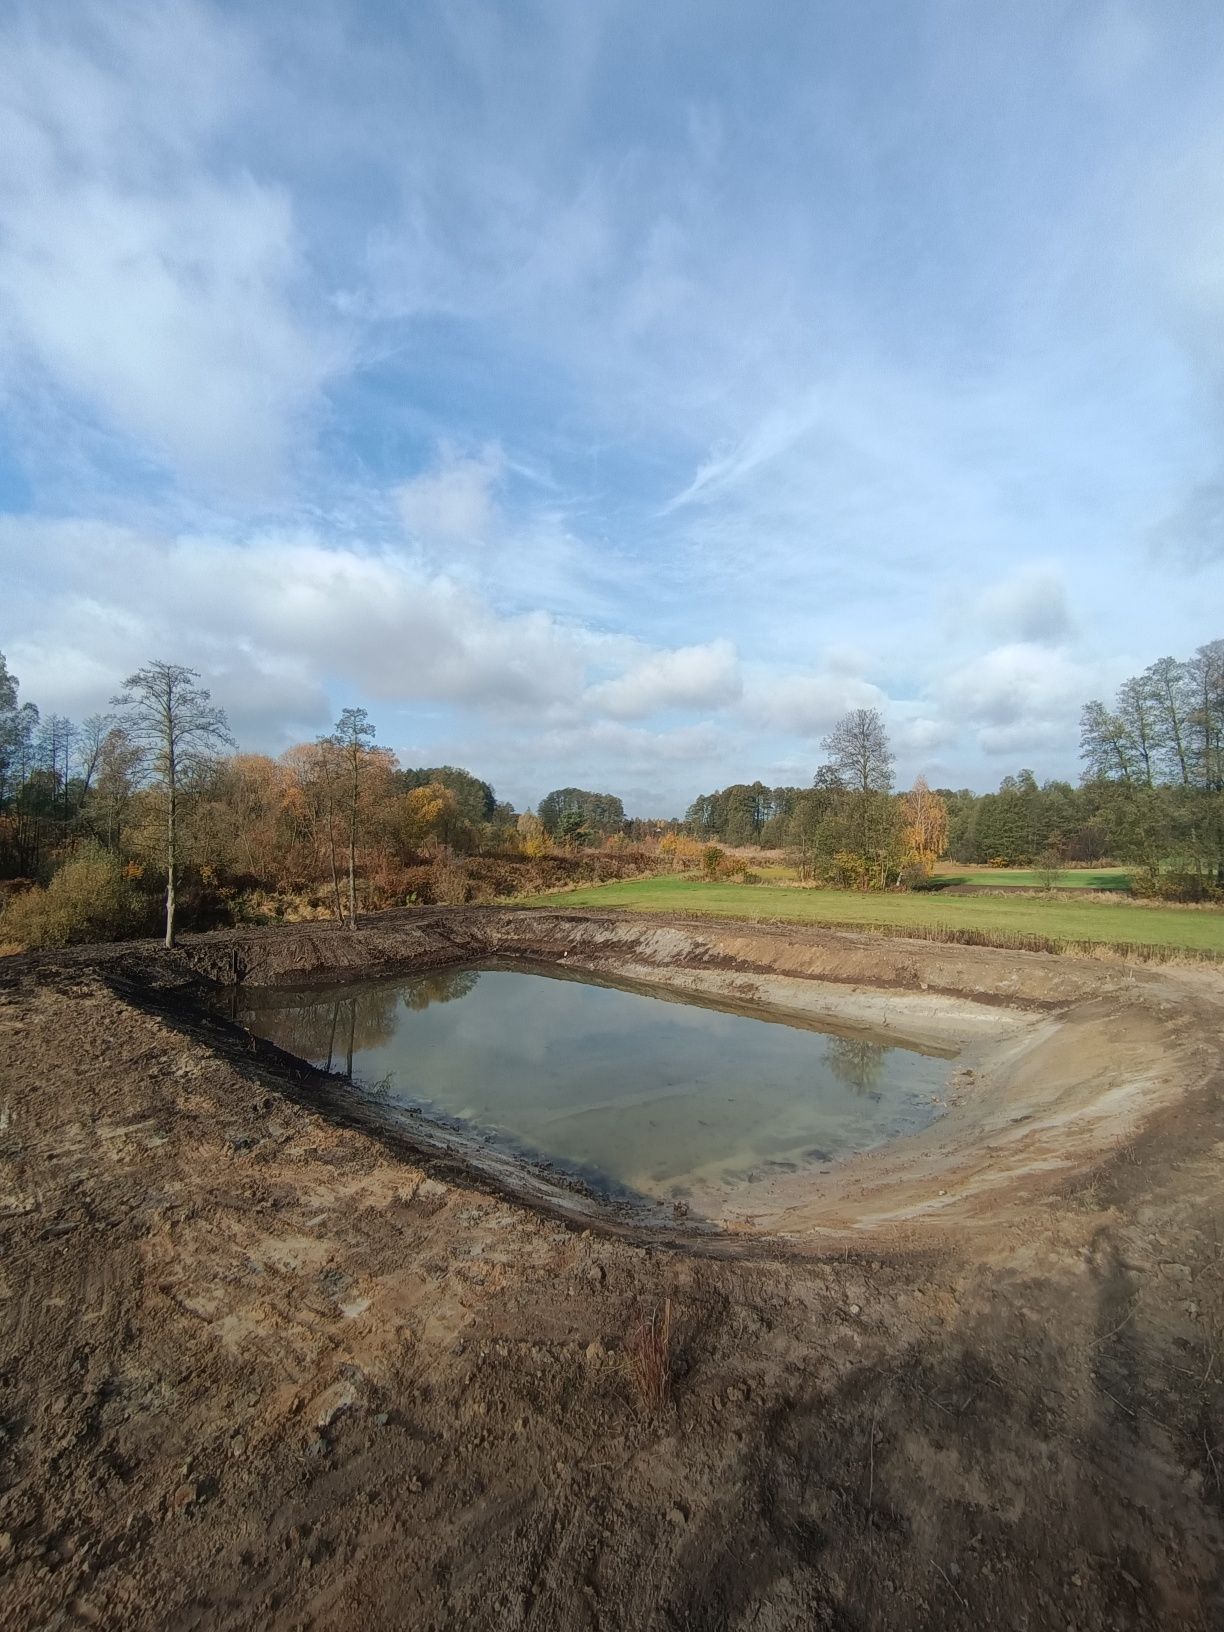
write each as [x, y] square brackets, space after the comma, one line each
[263, 1369]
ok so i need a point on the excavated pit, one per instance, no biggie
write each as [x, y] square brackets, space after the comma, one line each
[270, 1363]
[1056, 1062]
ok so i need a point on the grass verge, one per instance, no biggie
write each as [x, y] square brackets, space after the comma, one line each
[1028, 923]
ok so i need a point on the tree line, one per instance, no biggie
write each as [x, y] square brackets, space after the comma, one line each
[1151, 794]
[1159, 753]
[150, 791]
[848, 827]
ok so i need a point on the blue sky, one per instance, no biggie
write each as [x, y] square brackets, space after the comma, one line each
[609, 393]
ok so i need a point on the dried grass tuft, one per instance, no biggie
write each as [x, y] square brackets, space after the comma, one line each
[648, 1351]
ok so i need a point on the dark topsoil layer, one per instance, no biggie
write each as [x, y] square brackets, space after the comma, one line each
[258, 1370]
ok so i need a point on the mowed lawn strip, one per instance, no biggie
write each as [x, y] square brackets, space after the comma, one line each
[1071, 878]
[1198, 929]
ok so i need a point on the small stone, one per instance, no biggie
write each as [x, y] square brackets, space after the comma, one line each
[380, 1419]
[855, 1310]
[183, 1497]
[676, 1515]
[597, 1274]
[595, 1350]
[238, 1446]
[6, 1543]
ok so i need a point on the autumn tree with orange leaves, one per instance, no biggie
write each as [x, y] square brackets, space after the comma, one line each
[924, 826]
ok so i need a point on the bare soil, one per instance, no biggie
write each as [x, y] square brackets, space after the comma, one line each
[260, 1368]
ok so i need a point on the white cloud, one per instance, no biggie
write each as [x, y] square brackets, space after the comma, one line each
[1030, 606]
[291, 609]
[808, 704]
[654, 772]
[1017, 695]
[1195, 529]
[367, 617]
[166, 297]
[454, 502]
[697, 677]
[918, 735]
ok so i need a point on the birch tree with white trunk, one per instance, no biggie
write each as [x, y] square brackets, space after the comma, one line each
[173, 721]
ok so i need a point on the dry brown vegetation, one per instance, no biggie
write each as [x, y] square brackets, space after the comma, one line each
[648, 1358]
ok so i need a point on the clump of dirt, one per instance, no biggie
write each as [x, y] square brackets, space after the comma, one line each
[259, 1370]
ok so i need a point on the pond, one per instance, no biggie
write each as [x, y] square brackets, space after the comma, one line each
[640, 1093]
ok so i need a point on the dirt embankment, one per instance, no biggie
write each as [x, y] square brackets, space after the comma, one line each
[258, 1370]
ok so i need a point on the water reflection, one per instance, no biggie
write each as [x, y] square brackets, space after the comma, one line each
[330, 1030]
[659, 1099]
[857, 1063]
[443, 986]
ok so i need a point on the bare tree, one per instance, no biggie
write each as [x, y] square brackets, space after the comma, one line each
[354, 737]
[56, 740]
[1106, 745]
[316, 769]
[860, 756]
[113, 784]
[10, 719]
[90, 738]
[174, 722]
[1169, 686]
[858, 750]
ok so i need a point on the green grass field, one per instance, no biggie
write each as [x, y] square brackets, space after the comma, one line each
[1070, 878]
[990, 878]
[1100, 922]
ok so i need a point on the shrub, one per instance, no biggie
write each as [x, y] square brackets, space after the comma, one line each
[1176, 885]
[451, 884]
[88, 899]
[1048, 866]
[711, 860]
[682, 851]
[916, 876]
[849, 871]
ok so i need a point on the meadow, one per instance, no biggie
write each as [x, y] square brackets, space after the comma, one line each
[993, 919]
[949, 874]
[1028, 878]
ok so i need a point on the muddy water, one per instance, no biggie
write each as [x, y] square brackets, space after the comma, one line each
[640, 1094]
